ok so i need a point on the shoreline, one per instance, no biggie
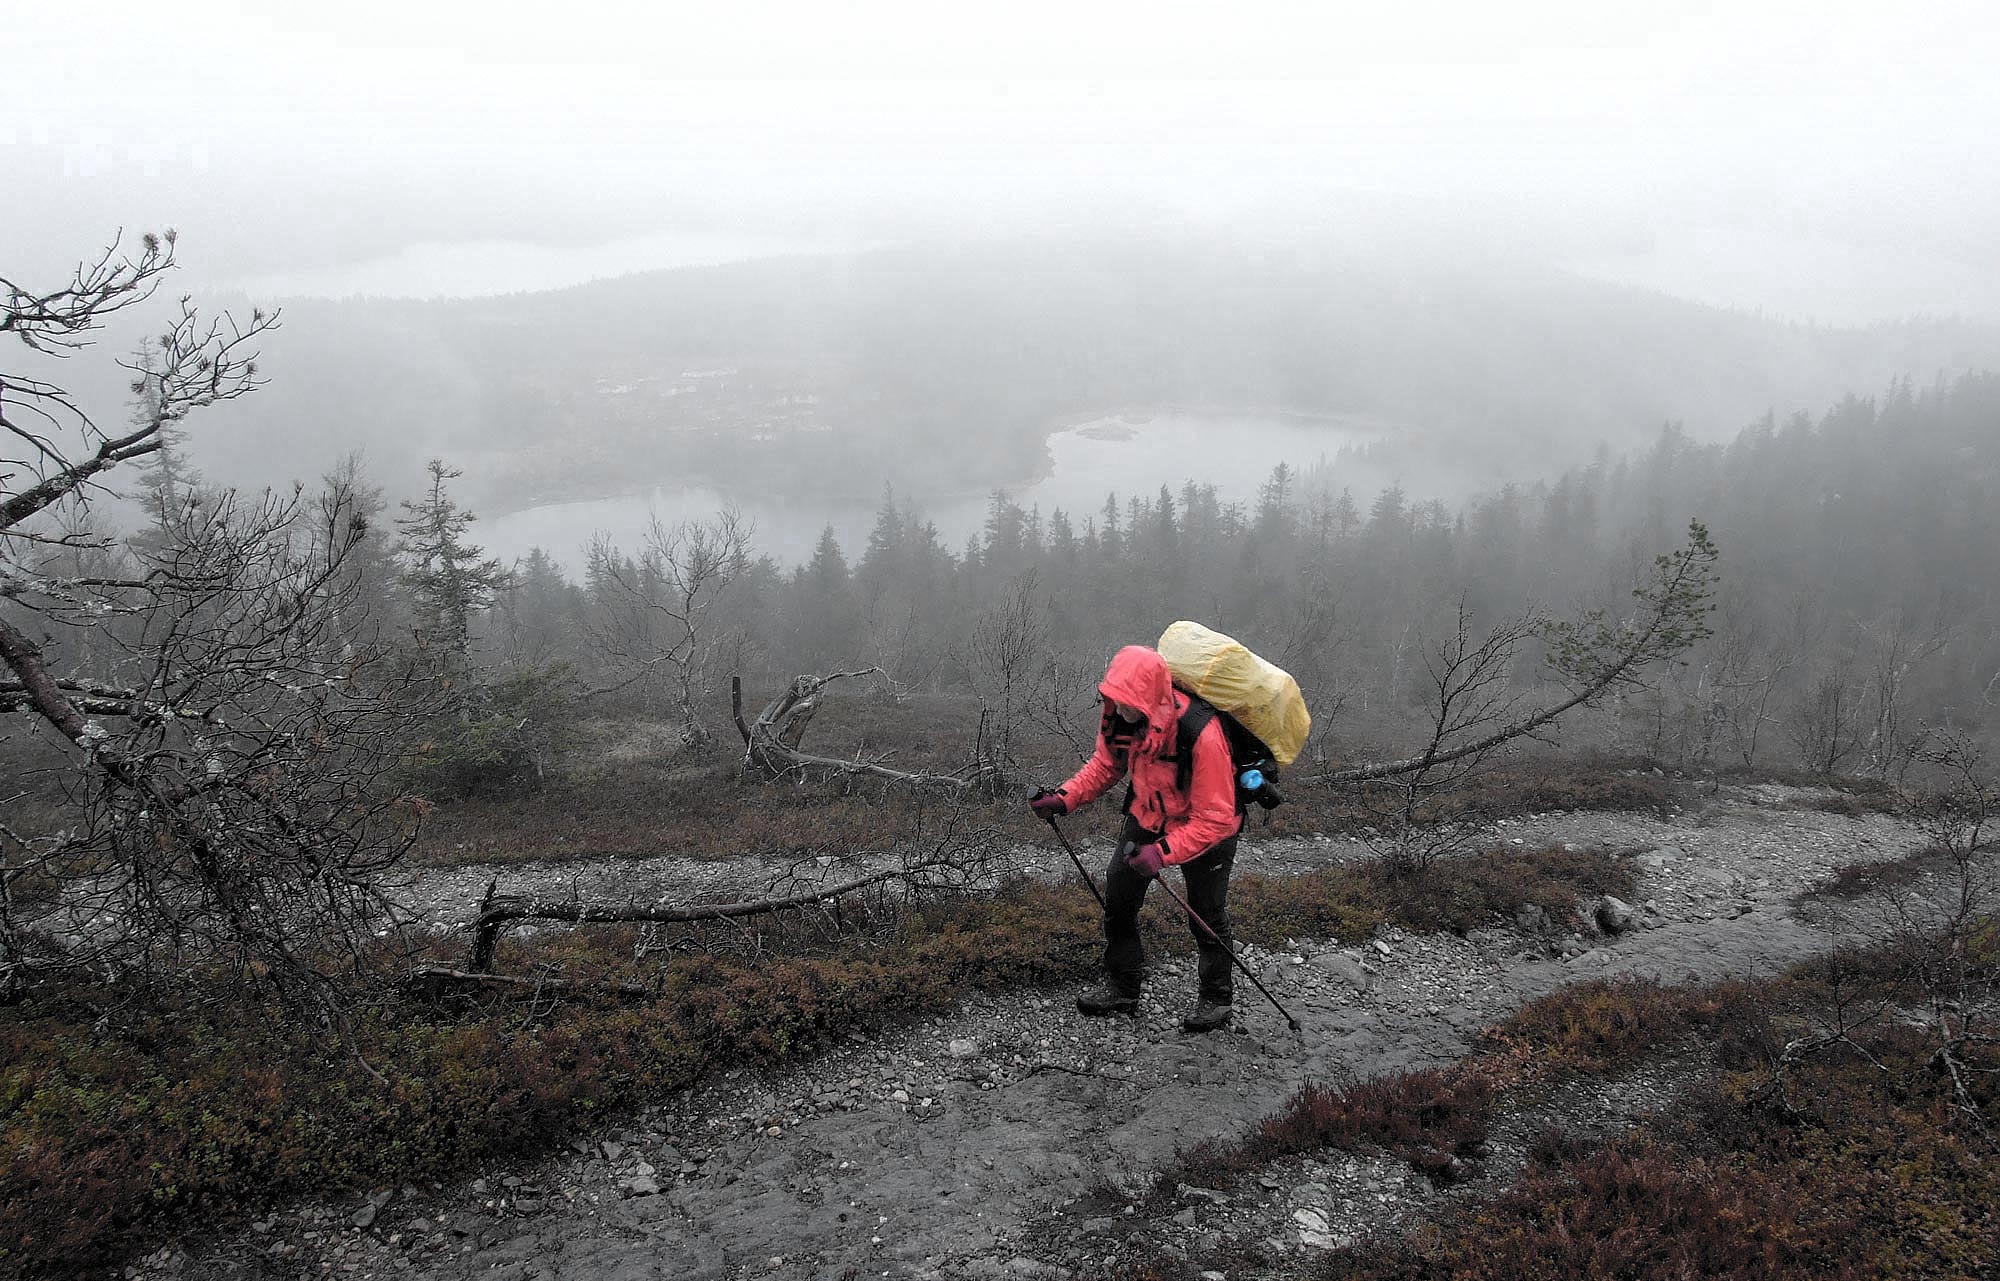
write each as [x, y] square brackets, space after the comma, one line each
[1131, 415]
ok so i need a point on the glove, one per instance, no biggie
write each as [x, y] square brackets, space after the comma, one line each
[1047, 804]
[1148, 860]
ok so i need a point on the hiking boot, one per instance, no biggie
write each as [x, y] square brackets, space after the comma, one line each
[1206, 1016]
[1107, 999]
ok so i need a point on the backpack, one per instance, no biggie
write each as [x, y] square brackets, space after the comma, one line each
[1262, 696]
[1263, 715]
[1250, 761]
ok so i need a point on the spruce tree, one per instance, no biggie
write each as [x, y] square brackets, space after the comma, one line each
[447, 578]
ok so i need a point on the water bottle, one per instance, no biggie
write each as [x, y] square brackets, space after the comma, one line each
[1260, 787]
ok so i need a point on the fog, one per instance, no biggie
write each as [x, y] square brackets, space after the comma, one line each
[1589, 406]
[301, 150]
[1507, 237]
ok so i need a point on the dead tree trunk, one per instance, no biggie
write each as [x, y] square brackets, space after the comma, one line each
[948, 856]
[497, 912]
[771, 742]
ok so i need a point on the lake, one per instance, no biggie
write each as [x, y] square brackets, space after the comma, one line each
[1132, 453]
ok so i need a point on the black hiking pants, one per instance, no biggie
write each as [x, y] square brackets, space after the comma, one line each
[1207, 893]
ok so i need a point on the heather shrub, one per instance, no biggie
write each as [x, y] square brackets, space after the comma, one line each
[1549, 787]
[1855, 1159]
[1880, 877]
[1597, 1025]
[210, 1109]
[1634, 1211]
[1877, 1175]
[176, 1108]
[1606, 1025]
[1465, 891]
[647, 808]
[1433, 1118]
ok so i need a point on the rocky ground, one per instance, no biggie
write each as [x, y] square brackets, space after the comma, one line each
[1008, 1138]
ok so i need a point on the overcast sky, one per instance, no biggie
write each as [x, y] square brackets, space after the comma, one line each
[1832, 158]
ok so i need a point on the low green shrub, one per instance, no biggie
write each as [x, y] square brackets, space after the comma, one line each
[1557, 786]
[1605, 1025]
[500, 737]
[1541, 787]
[638, 810]
[206, 1110]
[1879, 877]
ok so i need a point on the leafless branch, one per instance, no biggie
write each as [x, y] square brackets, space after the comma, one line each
[654, 614]
[945, 855]
[199, 363]
[59, 320]
[1591, 655]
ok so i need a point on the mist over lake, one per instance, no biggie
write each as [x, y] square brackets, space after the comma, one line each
[1133, 453]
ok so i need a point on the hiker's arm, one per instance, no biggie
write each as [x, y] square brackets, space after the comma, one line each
[1211, 816]
[1105, 767]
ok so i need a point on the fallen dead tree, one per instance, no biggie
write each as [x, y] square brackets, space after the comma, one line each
[947, 853]
[946, 856]
[435, 977]
[496, 912]
[771, 742]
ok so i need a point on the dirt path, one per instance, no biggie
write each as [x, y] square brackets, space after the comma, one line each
[951, 1148]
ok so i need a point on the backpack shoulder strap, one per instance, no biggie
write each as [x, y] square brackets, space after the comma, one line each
[1192, 722]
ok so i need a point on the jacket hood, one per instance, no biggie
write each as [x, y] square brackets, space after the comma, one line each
[1139, 676]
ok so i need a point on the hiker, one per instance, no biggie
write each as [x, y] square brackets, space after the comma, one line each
[1180, 811]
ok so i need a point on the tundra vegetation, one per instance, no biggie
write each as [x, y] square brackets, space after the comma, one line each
[232, 723]
[1833, 1121]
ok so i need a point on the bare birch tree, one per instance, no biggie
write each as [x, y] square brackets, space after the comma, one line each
[1592, 656]
[657, 620]
[1472, 693]
[1001, 660]
[228, 736]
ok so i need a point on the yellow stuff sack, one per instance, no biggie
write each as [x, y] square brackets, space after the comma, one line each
[1261, 696]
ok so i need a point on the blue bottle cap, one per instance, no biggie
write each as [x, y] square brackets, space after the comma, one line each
[1252, 779]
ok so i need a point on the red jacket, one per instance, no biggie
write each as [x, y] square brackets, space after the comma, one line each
[1192, 821]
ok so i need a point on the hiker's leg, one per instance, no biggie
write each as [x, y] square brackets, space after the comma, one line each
[1208, 895]
[1124, 893]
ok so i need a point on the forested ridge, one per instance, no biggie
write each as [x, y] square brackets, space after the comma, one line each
[1858, 596]
[820, 377]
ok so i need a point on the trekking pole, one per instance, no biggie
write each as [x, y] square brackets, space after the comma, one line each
[1088, 879]
[1238, 961]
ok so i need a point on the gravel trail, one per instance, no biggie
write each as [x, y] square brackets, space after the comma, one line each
[982, 1143]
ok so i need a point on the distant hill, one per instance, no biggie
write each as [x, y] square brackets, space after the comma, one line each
[941, 369]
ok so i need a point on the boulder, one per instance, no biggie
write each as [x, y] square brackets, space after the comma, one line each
[1613, 915]
[366, 1215]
